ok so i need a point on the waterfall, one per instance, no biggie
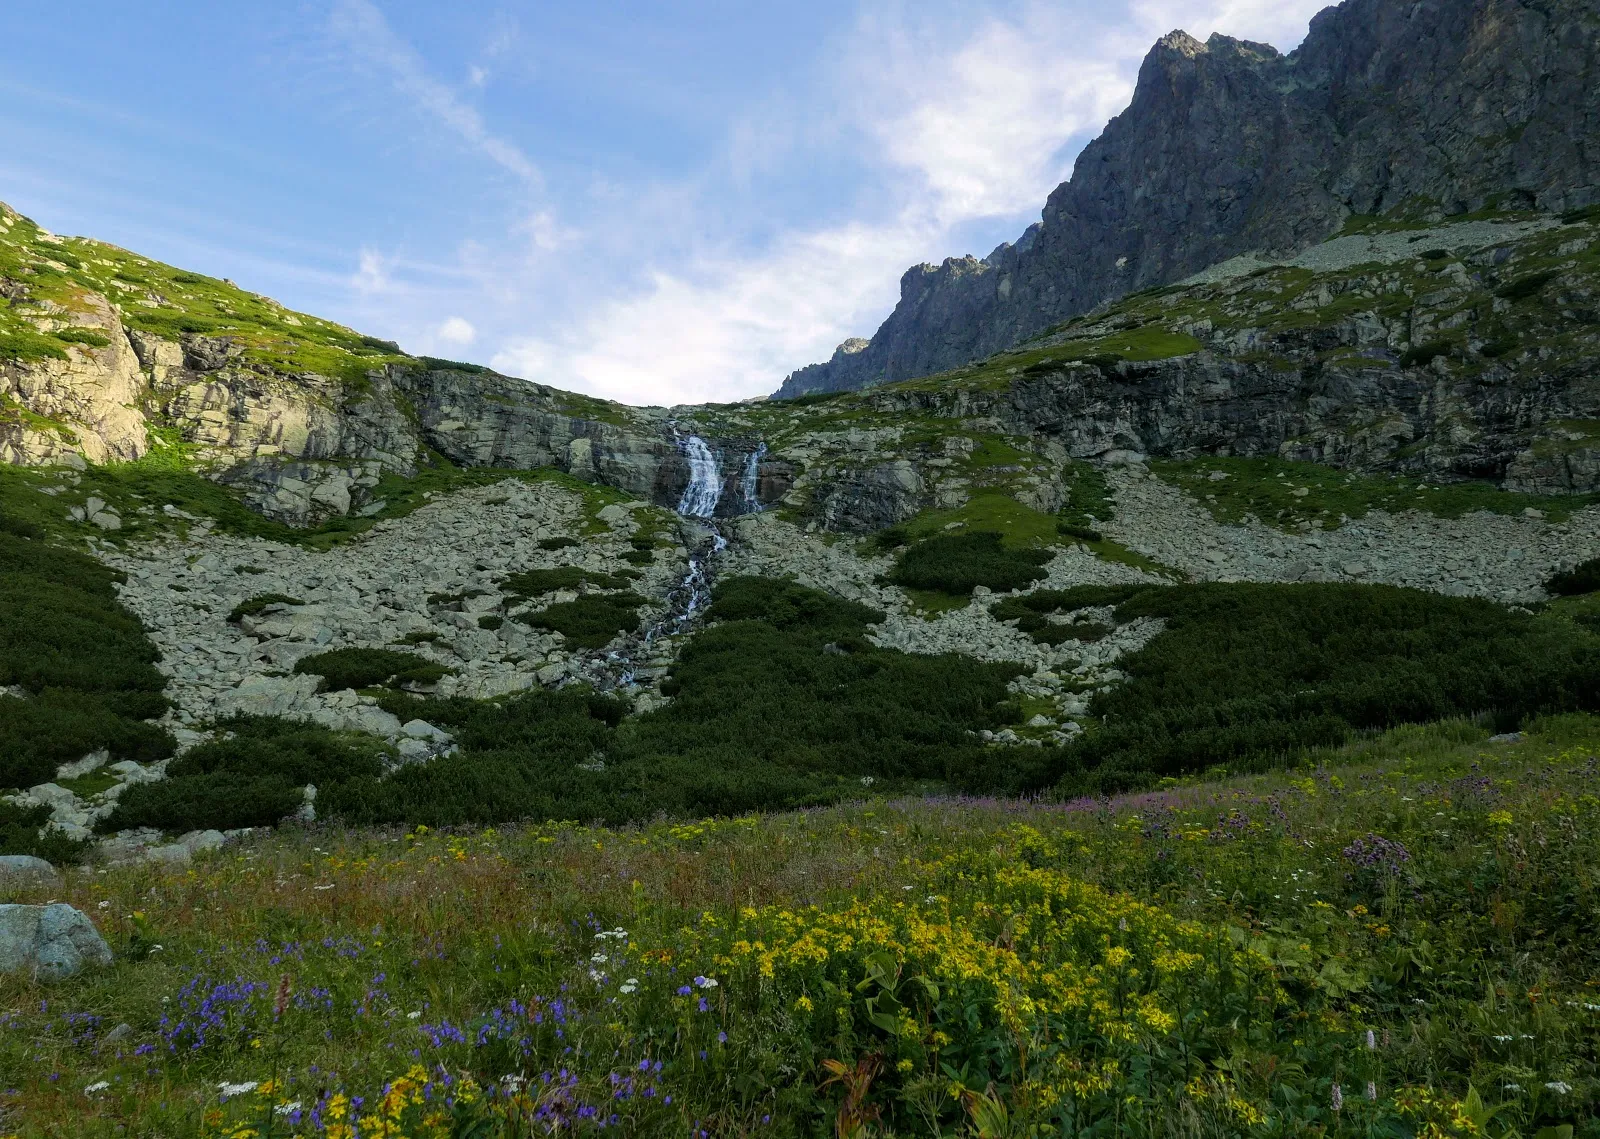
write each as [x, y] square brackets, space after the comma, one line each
[687, 601]
[752, 473]
[705, 480]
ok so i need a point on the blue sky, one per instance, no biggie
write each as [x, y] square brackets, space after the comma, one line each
[652, 202]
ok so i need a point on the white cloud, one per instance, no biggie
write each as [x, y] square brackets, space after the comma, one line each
[364, 31]
[970, 129]
[725, 326]
[672, 301]
[372, 276]
[984, 125]
[457, 330]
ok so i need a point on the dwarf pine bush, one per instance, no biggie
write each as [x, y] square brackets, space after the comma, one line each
[958, 563]
[83, 661]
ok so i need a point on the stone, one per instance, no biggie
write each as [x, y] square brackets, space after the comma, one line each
[182, 851]
[81, 767]
[414, 750]
[49, 942]
[24, 871]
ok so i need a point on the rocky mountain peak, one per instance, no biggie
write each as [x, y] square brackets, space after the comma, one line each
[1230, 147]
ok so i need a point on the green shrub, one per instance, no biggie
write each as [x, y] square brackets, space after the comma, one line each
[60, 725]
[782, 702]
[368, 668]
[535, 583]
[85, 336]
[254, 605]
[224, 800]
[251, 775]
[1582, 578]
[434, 364]
[1032, 611]
[1082, 533]
[558, 543]
[86, 661]
[20, 833]
[1424, 354]
[591, 621]
[1245, 673]
[491, 621]
[1524, 287]
[22, 346]
[518, 759]
[957, 563]
[890, 538]
[1088, 498]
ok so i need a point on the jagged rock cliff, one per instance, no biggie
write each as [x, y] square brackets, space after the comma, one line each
[1442, 107]
[106, 356]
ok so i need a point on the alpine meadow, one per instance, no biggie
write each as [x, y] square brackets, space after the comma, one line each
[1150, 687]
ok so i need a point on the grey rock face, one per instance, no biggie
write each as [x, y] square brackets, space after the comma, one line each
[1229, 147]
[24, 872]
[485, 419]
[49, 942]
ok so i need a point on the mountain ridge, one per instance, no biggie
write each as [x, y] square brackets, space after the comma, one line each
[1230, 147]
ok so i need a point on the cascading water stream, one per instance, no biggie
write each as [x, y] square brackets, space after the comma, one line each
[698, 502]
[705, 480]
[752, 476]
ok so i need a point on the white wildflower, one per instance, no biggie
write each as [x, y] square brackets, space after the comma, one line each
[416, 1015]
[97, 1086]
[288, 1108]
[706, 982]
[1560, 1087]
[228, 1089]
[631, 985]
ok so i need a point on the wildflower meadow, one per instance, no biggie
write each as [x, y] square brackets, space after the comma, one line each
[1395, 938]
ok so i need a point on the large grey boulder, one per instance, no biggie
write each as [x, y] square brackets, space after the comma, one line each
[49, 942]
[24, 871]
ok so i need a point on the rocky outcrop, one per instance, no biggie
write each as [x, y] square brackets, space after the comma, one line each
[49, 942]
[1229, 147]
[19, 872]
[432, 583]
[1473, 360]
[83, 407]
[483, 419]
